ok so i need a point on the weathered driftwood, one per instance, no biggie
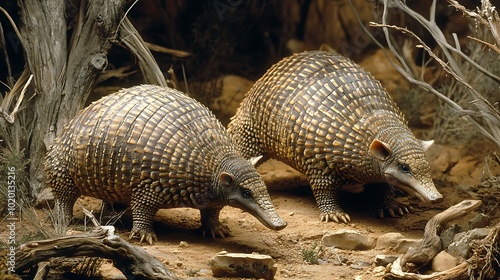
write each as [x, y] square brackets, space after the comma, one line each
[133, 261]
[431, 246]
[457, 272]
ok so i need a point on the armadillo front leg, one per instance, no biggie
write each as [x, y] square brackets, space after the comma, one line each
[210, 222]
[326, 194]
[389, 205]
[143, 212]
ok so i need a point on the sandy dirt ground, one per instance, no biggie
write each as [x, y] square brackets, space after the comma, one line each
[184, 251]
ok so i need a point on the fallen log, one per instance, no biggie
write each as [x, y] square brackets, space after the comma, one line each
[134, 262]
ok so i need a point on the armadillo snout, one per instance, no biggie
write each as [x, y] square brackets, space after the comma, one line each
[436, 198]
[276, 223]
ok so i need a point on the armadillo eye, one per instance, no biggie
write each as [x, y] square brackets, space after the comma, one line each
[405, 168]
[246, 194]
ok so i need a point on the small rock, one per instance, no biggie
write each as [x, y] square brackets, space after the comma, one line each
[384, 260]
[45, 199]
[448, 234]
[322, 262]
[479, 221]
[359, 265]
[226, 264]
[179, 264]
[460, 248]
[204, 271]
[378, 271]
[348, 240]
[397, 242]
[406, 243]
[443, 261]
[286, 273]
[389, 240]
[183, 244]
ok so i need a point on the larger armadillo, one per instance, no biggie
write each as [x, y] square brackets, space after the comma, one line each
[325, 116]
[154, 147]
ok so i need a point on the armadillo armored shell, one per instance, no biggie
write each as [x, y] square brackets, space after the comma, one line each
[154, 147]
[325, 116]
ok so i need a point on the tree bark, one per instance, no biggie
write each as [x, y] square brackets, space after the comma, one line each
[63, 79]
[44, 41]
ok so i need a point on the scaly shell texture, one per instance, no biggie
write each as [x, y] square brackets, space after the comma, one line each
[153, 147]
[325, 116]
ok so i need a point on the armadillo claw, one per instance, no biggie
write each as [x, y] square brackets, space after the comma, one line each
[219, 230]
[143, 234]
[337, 216]
[396, 210]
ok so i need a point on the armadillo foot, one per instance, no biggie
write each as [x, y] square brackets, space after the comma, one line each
[219, 230]
[336, 216]
[143, 234]
[210, 223]
[396, 210]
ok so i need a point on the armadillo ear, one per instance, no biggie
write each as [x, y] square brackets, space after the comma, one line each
[379, 149]
[426, 144]
[255, 160]
[226, 178]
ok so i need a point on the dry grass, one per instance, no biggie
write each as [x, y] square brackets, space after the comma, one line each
[484, 263]
[449, 126]
[489, 188]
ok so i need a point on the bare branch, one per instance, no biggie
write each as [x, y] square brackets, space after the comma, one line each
[489, 45]
[489, 114]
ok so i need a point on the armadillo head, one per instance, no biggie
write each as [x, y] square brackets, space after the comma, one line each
[242, 187]
[403, 165]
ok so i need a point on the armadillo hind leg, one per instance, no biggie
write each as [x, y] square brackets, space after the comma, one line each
[326, 194]
[210, 222]
[65, 191]
[389, 206]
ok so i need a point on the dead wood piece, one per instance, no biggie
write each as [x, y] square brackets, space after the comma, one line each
[134, 262]
[177, 53]
[431, 244]
[457, 272]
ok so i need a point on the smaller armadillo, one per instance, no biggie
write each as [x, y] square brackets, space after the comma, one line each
[152, 147]
[325, 116]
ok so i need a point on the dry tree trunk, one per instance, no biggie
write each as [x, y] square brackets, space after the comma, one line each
[63, 77]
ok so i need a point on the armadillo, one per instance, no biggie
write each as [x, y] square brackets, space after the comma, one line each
[325, 116]
[151, 148]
